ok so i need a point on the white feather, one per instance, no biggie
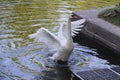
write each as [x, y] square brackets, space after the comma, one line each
[77, 26]
[78, 22]
[45, 36]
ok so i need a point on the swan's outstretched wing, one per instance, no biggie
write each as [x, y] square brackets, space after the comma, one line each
[76, 26]
[45, 36]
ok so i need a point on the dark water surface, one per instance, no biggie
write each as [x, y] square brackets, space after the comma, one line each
[21, 58]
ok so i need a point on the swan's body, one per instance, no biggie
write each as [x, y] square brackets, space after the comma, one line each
[62, 44]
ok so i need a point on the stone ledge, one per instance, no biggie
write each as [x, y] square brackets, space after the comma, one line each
[100, 30]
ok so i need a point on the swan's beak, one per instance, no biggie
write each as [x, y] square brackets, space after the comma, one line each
[74, 17]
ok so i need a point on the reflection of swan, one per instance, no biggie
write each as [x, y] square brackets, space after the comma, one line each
[62, 44]
[58, 73]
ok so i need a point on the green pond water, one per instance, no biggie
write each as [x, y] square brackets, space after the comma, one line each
[23, 59]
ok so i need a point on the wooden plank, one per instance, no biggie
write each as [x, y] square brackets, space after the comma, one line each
[88, 75]
[107, 74]
[100, 74]
[116, 69]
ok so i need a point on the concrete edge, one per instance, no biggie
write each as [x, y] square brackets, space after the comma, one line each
[100, 30]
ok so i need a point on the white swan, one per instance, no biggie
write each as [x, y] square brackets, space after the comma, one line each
[62, 44]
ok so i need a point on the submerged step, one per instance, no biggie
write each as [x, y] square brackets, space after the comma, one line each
[99, 74]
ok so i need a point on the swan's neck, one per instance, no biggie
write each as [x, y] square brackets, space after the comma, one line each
[69, 29]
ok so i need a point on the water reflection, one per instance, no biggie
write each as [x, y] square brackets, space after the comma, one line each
[59, 73]
[20, 57]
